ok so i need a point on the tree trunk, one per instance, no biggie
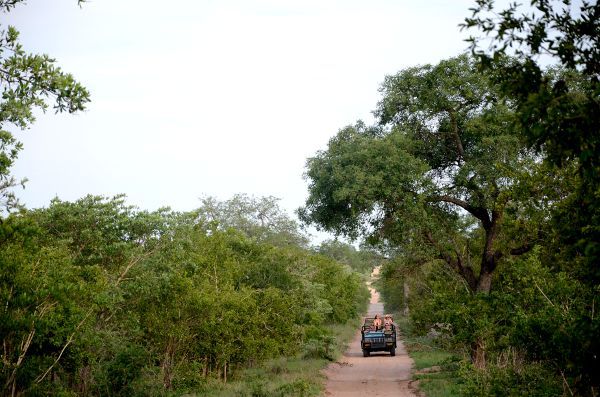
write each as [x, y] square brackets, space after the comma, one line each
[167, 364]
[490, 258]
[484, 284]
[478, 354]
[406, 292]
[85, 375]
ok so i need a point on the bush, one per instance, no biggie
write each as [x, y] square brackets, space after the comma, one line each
[532, 380]
[130, 303]
[298, 388]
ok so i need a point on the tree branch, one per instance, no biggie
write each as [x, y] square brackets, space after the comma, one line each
[69, 341]
[465, 271]
[42, 309]
[455, 135]
[478, 212]
[522, 249]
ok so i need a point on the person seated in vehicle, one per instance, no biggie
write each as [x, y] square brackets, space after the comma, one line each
[377, 323]
[388, 324]
[388, 320]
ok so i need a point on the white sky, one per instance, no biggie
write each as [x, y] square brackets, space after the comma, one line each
[193, 98]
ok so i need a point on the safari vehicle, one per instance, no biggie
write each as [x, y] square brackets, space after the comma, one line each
[375, 340]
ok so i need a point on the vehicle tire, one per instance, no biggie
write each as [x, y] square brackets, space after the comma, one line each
[393, 351]
[366, 353]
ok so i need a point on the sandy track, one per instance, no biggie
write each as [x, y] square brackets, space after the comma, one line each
[378, 375]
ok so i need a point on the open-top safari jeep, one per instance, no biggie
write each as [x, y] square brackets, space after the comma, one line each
[377, 339]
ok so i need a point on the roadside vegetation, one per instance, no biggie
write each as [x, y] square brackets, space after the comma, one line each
[101, 298]
[288, 376]
[479, 182]
[436, 364]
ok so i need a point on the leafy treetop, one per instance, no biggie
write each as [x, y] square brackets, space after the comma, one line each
[28, 82]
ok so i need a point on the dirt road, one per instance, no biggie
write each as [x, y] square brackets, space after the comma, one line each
[378, 375]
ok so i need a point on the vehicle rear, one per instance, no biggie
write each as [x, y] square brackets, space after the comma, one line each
[374, 340]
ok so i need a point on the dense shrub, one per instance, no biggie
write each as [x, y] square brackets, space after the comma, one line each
[530, 379]
[103, 298]
[535, 328]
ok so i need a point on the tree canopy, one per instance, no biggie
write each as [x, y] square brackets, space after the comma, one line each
[261, 219]
[558, 114]
[28, 82]
[445, 168]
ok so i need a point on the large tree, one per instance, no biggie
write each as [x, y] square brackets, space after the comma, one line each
[559, 115]
[444, 174]
[444, 177]
[259, 218]
[28, 82]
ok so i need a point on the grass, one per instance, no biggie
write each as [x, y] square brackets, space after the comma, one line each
[284, 376]
[427, 354]
[440, 384]
[428, 359]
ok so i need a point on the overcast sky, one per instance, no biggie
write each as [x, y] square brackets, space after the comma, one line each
[194, 98]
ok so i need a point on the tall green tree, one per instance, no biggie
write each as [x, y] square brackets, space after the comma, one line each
[559, 114]
[445, 176]
[363, 260]
[260, 218]
[444, 168]
[559, 117]
[28, 82]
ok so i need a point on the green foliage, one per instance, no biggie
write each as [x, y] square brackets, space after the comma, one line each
[299, 388]
[319, 344]
[535, 320]
[284, 376]
[260, 219]
[358, 172]
[559, 112]
[444, 176]
[125, 368]
[427, 358]
[101, 297]
[28, 82]
[436, 367]
[530, 380]
[362, 261]
[558, 115]
[443, 384]
[390, 284]
[465, 173]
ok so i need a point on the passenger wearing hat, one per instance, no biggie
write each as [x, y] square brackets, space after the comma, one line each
[388, 321]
